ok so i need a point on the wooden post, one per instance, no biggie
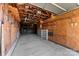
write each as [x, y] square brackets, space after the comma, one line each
[5, 18]
[1, 21]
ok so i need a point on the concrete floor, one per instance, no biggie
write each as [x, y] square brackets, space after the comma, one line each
[32, 45]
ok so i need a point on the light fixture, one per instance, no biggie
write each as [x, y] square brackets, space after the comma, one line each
[38, 12]
[25, 19]
[78, 4]
[58, 6]
[20, 3]
[26, 7]
[73, 22]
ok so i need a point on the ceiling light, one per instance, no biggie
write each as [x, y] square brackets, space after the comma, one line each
[20, 3]
[78, 4]
[26, 7]
[38, 12]
[58, 6]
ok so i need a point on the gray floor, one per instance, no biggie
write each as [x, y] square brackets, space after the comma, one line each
[32, 45]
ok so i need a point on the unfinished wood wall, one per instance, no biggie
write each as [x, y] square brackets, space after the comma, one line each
[64, 29]
[9, 28]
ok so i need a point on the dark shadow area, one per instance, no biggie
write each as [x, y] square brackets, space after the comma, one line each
[28, 28]
[35, 28]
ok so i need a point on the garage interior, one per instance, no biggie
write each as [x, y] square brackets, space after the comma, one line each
[39, 29]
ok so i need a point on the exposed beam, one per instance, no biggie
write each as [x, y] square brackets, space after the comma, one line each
[59, 6]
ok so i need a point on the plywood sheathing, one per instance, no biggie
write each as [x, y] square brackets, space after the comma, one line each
[65, 29]
[6, 29]
[14, 13]
[9, 27]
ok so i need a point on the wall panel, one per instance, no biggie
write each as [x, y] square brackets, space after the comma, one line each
[65, 29]
[9, 28]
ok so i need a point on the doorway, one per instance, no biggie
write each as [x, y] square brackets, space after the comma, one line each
[28, 28]
[35, 28]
